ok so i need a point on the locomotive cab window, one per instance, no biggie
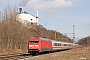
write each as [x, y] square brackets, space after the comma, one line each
[34, 41]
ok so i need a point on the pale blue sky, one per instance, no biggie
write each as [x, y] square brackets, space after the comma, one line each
[58, 15]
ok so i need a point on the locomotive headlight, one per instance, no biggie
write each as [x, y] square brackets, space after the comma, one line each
[39, 49]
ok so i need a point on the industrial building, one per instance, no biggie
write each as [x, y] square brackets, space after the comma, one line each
[25, 17]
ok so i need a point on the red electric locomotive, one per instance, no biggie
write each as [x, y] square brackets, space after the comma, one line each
[39, 44]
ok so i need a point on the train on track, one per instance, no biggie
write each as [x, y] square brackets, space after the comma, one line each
[40, 45]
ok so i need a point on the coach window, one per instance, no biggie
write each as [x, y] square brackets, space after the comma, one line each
[65, 44]
[55, 44]
[69, 45]
[59, 44]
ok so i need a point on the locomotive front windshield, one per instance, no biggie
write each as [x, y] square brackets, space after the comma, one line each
[34, 41]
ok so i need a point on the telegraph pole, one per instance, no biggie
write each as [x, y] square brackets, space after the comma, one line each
[55, 34]
[73, 35]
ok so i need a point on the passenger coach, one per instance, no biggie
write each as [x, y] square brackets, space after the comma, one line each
[58, 45]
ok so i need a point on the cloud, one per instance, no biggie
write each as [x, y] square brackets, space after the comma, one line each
[23, 3]
[46, 5]
[1, 0]
[88, 23]
[79, 2]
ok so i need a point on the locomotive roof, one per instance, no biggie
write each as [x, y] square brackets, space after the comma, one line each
[42, 38]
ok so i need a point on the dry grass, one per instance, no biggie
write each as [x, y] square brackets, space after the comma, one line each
[11, 51]
[81, 53]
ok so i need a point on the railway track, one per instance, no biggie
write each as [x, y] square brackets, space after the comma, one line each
[21, 56]
[15, 56]
[25, 56]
